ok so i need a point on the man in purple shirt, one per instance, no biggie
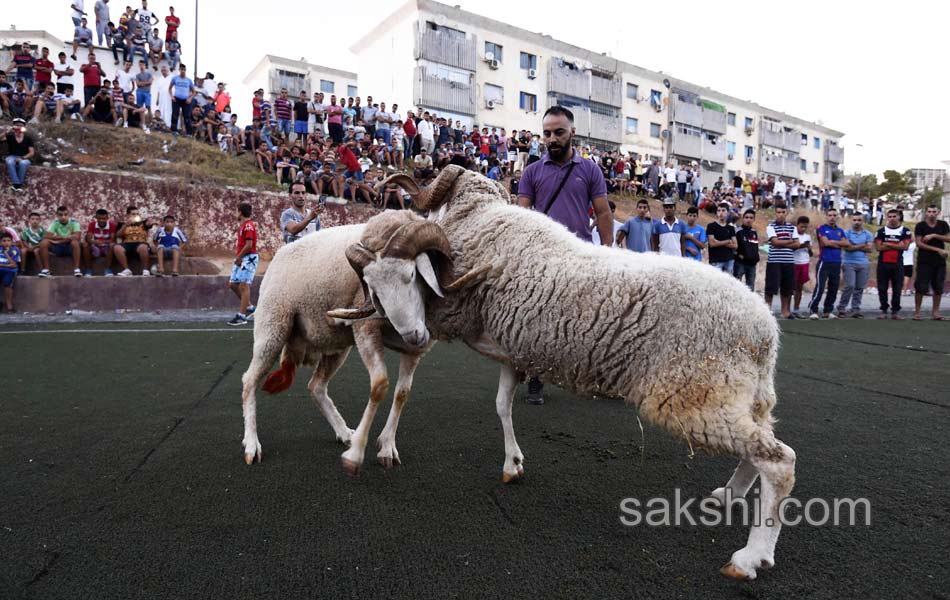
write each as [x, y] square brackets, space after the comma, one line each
[581, 185]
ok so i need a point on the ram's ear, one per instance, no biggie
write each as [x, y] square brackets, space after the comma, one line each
[425, 268]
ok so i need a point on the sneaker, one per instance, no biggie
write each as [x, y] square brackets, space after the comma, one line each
[250, 310]
[238, 320]
[829, 316]
[857, 315]
[125, 125]
[535, 391]
[77, 273]
[125, 273]
[118, 121]
[159, 274]
[43, 273]
[109, 273]
[154, 269]
[147, 131]
[813, 316]
[88, 273]
[145, 273]
[34, 121]
[75, 117]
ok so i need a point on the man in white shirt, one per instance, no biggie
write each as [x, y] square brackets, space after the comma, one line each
[146, 17]
[426, 132]
[79, 11]
[802, 262]
[315, 108]
[780, 189]
[126, 78]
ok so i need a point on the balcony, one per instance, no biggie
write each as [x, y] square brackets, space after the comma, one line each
[834, 153]
[782, 166]
[770, 137]
[792, 140]
[435, 92]
[698, 148]
[581, 84]
[294, 85]
[602, 127]
[687, 113]
[714, 121]
[446, 49]
[714, 152]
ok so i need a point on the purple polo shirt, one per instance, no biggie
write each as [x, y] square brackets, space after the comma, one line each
[572, 208]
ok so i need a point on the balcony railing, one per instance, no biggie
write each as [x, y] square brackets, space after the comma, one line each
[602, 127]
[699, 148]
[834, 153]
[770, 137]
[714, 152]
[436, 92]
[446, 49]
[792, 140]
[781, 165]
[581, 84]
[714, 121]
[294, 85]
[687, 113]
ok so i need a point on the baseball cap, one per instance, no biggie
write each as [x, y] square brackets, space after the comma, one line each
[669, 202]
[19, 121]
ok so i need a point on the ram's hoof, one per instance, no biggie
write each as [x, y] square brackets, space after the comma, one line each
[733, 572]
[351, 468]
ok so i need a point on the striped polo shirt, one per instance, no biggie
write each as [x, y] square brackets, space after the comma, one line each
[785, 231]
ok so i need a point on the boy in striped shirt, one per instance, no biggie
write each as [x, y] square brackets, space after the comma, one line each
[780, 269]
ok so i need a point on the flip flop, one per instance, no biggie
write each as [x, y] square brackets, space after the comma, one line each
[916, 318]
[940, 318]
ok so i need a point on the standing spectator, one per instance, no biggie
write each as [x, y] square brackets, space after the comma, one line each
[182, 91]
[315, 109]
[172, 23]
[169, 242]
[102, 20]
[564, 186]
[369, 117]
[64, 74]
[637, 232]
[695, 236]
[301, 116]
[31, 237]
[222, 100]
[747, 250]
[146, 17]
[892, 242]
[681, 176]
[780, 268]
[802, 262]
[283, 110]
[44, 70]
[245, 265]
[384, 122]
[594, 233]
[10, 260]
[99, 242]
[17, 241]
[134, 235]
[24, 64]
[334, 115]
[163, 97]
[20, 151]
[126, 78]
[61, 239]
[855, 267]
[173, 50]
[931, 235]
[909, 268]
[297, 221]
[426, 133]
[82, 36]
[668, 232]
[831, 238]
[91, 78]
[79, 11]
[722, 241]
[143, 87]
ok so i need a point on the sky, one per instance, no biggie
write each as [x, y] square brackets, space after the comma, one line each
[875, 71]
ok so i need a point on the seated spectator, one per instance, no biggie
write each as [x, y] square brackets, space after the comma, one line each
[422, 166]
[17, 241]
[157, 123]
[156, 49]
[132, 236]
[265, 160]
[61, 239]
[225, 139]
[118, 42]
[328, 180]
[67, 104]
[5, 90]
[30, 238]
[136, 115]
[9, 266]
[20, 100]
[99, 242]
[46, 104]
[101, 108]
[138, 41]
[169, 243]
[20, 151]
[82, 36]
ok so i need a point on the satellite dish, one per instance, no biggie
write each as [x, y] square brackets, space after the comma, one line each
[666, 82]
[665, 133]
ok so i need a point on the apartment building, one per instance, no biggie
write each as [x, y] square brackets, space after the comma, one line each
[273, 73]
[482, 71]
[926, 179]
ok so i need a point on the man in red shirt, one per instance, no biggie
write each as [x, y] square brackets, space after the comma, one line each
[100, 240]
[172, 23]
[91, 78]
[44, 70]
[245, 265]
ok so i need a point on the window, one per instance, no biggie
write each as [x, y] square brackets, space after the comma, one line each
[351, 91]
[731, 149]
[326, 86]
[684, 129]
[748, 122]
[294, 82]
[654, 130]
[814, 167]
[817, 143]
[446, 31]
[494, 49]
[529, 102]
[495, 93]
[656, 97]
[804, 165]
[633, 91]
[804, 141]
[731, 119]
[528, 61]
[749, 151]
[632, 125]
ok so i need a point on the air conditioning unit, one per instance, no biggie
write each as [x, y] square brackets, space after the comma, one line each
[749, 130]
[658, 107]
[489, 104]
[489, 56]
[493, 63]
[731, 156]
[748, 160]
[532, 73]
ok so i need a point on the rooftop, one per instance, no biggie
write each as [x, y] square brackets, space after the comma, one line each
[298, 64]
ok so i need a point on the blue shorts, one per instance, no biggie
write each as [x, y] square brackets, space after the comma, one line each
[61, 249]
[386, 133]
[300, 127]
[167, 250]
[143, 99]
[7, 277]
[244, 273]
[358, 175]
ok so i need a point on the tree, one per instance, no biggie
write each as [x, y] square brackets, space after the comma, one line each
[932, 196]
[868, 186]
[895, 185]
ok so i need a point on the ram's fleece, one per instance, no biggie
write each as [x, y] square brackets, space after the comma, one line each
[691, 347]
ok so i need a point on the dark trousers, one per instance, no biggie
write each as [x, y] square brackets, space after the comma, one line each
[89, 93]
[744, 271]
[894, 275]
[119, 44]
[828, 275]
[181, 107]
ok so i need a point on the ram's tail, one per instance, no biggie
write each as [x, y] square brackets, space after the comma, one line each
[281, 379]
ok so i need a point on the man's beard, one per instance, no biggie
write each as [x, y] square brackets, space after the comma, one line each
[559, 153]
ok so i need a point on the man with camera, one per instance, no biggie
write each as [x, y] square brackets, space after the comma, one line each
[21, 151]
[297, 221]
[101, 107]
[134, 235]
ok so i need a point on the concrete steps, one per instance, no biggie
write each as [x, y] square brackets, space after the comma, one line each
[189, 265]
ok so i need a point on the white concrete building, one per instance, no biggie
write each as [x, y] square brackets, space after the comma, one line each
[485, 72]
[925, 179]
[274, 72]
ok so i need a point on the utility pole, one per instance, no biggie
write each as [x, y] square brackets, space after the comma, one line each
[196, 38]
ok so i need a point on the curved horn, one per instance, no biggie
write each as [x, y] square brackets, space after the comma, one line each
[416, 237]
[475, 275]
[433, 195]
[359, 256]
[352, 314]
